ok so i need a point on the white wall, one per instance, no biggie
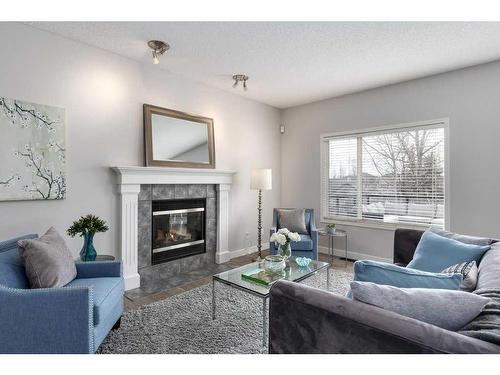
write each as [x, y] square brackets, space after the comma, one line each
[103, 95]
[468, 97]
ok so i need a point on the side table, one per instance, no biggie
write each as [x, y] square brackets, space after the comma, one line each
[331, 237]
[101, 257]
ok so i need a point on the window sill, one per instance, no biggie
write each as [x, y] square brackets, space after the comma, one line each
[371, 224]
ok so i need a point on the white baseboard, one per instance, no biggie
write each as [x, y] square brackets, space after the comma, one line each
[228, 255]
[353, 254]
[132, 281]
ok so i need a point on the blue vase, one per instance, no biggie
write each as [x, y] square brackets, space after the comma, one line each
[88, 253]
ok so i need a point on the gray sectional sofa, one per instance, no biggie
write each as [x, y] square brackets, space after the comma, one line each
[308, 320]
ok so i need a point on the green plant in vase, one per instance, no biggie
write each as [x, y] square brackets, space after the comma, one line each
[87, 227]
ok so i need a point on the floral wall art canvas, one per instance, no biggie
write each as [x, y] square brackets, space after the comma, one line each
[32, 151]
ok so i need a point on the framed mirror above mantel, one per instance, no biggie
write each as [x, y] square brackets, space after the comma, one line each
[177, 139]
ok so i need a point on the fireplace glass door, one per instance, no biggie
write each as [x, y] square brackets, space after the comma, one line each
[178, 229]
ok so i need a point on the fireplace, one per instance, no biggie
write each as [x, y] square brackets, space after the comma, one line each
[178, 229]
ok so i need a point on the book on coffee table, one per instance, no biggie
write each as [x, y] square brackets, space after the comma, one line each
[260, 276]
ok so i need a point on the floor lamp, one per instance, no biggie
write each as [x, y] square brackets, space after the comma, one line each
[261, 179]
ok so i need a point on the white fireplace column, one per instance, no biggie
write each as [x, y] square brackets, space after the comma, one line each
[128, 237]
[130, 180]
[222, 255]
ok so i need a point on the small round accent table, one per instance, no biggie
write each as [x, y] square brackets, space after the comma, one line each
[331, 237]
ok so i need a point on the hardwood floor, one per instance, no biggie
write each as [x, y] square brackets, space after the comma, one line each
[233, 263]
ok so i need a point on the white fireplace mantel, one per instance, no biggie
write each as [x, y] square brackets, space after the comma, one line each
[130, 180]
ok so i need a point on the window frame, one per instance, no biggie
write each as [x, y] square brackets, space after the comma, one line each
[375, 223]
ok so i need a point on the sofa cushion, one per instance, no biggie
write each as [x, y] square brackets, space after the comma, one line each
[435, 253]
[448, 309]
[489, 269]
[47, 260]
[107, 291]
[472, 240]
[293, 219]
[12, 273]
[305, 243]
[401, 277]
[469, 273]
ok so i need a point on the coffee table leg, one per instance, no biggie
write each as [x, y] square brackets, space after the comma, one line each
[328, 278]
[264, 322]
[345, 250]
[332, 244]
[213, 299]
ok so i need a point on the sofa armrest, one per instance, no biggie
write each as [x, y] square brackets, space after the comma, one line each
[85, 270]
[308, 320]
[56, 320]
[405, 243]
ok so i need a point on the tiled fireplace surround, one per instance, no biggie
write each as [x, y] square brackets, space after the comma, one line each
[155, 276]
[138, 187]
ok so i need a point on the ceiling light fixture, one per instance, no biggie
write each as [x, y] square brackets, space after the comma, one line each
[240, 78]
[159, 48]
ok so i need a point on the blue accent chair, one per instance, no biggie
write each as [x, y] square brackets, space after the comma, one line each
[308, 244]
[73, 319]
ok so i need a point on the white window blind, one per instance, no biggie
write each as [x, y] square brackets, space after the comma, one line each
[394, 175]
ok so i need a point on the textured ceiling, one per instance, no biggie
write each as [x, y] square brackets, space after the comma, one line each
[295, 63]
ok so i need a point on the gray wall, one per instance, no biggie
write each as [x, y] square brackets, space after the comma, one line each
[103, 94]
[468, 97]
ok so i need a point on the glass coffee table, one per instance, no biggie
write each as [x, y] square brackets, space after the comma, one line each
[293, 272]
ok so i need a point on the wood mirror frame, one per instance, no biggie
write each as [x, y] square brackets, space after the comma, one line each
[149, 110]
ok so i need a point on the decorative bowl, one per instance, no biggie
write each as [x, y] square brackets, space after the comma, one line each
[274, 264]
[303, 261]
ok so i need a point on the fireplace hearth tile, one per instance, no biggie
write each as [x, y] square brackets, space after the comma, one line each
[149, 275]
[145, 193]
[163, 192]
[197, 191]
[144, 246]
[185, 281]
[211, 191]
[144, 213]
[180, 191]
[168, 269]
[211, 208]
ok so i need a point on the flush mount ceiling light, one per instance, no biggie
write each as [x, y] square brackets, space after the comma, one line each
[159, 48]
[240, 78]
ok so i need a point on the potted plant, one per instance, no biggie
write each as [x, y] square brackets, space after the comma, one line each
[86, 227]
[330, 228]
[282, 238]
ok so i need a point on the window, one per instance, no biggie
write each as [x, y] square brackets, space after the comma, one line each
[386, 175]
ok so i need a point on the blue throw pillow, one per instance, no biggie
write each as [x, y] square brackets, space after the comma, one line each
[401, 277]
[434, 253]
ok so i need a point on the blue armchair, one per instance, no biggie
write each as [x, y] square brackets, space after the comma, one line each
[73, 319]
[308, 244]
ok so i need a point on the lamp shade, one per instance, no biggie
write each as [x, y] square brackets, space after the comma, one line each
[261, 179]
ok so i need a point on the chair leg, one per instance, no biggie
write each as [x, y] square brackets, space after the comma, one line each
[117, 324]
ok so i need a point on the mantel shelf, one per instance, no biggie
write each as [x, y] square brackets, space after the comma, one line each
[160, 175]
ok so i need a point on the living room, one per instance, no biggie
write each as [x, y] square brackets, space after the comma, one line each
[249, 187]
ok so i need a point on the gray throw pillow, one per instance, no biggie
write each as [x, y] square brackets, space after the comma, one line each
[47, 260]
[448, 309]
[469, 273]
[471, 240]
[293, 219]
